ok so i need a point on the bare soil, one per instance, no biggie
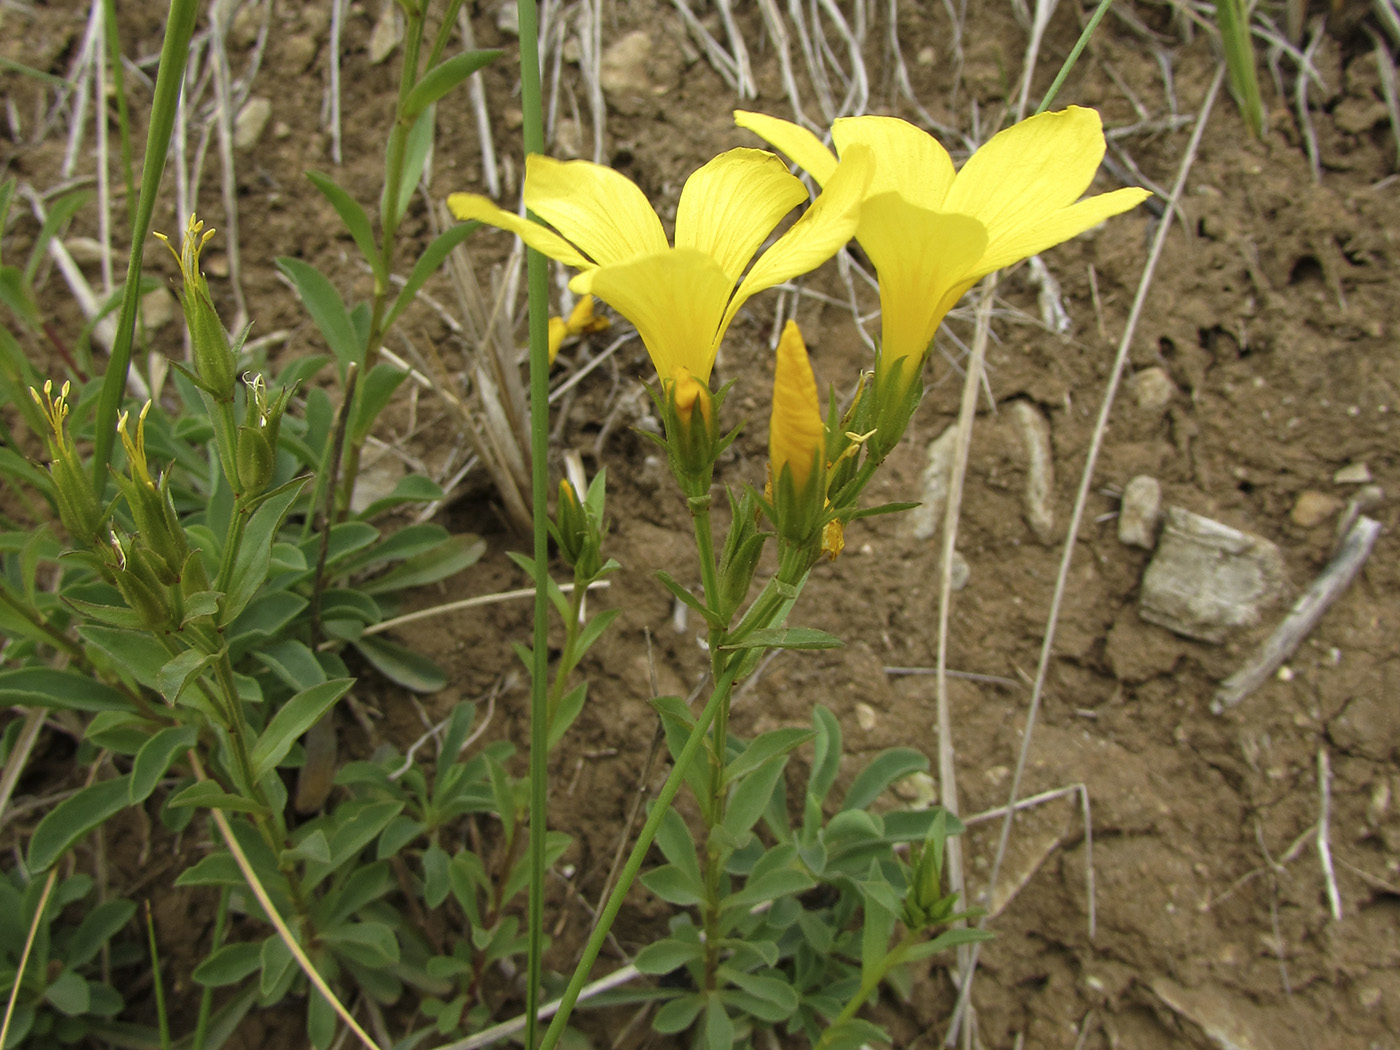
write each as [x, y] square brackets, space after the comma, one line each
[1272, 314]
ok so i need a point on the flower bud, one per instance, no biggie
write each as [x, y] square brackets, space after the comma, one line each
[213, 357]
[78, 507]
[796, 442]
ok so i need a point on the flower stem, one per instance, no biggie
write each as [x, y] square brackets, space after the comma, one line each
[718, 698]
[869, 983]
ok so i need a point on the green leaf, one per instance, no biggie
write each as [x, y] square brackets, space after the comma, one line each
[367, 943]
[412, 488]
[451, 556]
[346, 538]
[298, 715]
[443, 77]
[98, 927]
[674, 885]
[402, 665]
[407, 542]
[327, 309]
[949, 939]
[229, 964]
[718, 1032]
[357, 823]
[278, 968]
[112, 615]
[750, 798]
[50, 688]
[179, 671]
[208, 794]
[255, 552]
[436, 879]
[766, 746]
[294, 663]
[666, 955]
[365, 886]
[356, 221]
[826, 759]
[418, 143]
[692, 601]
[853, 1035]
[568, 710]
[135, 652]
[155, 757]
[882, 771]
[678, 1014]
[785, 638]
[677, 844]
[313, 847]
[593, 630]
[427, 265]
[374, 391]
[71, 820]
[878, 923]
[781, 883]
[769, 999]
[68, 994]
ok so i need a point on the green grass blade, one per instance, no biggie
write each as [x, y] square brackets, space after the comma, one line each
[1074, 54]
[174, 53]
[1239, 61]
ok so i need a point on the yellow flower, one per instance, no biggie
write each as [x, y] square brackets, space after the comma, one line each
[582, 321]
[797, 435]
[681, 298]
[932, 233]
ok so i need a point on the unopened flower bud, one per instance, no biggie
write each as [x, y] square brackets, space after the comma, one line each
[78, 506]
[213, 357]
[691, 429]
[796, 442]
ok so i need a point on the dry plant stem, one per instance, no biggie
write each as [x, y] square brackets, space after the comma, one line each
[471, 603]
[515, 1025]
[254, 884]
[947, 771]
[14, 764]
[24, 955]
[1324, 826]
[1344, 567]
[1077, 516]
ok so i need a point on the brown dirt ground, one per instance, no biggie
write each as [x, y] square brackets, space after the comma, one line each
[1272, 313]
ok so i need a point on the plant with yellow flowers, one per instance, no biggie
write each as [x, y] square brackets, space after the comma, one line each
[931, 232]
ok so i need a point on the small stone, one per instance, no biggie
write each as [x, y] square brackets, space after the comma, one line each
[1313, 508]
[927, 56]
[568, 139]
[1140, 513]
[243, 31]
[573, 52]
[158, 307]
[1040, 470]
[961, 572]
[252, 119]
[1353, 474]
[386, 34]
[281, 130]
[84, 250]
[1208, 580]
[865, 716]
[1369, 996]
[215, 265]
[1153, 389]
[918, 789]
[299, 51]
[925, 519]
[623, 69]
[515, 117]
[508, 18]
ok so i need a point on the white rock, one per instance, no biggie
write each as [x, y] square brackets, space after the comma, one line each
[1040, 470]
[925, 519]
[1208, 580]
[1140, 513]
[250, 123]
[1152, 389]
[159, 307]
[386, 34]
[1353, 474]
[623, 69]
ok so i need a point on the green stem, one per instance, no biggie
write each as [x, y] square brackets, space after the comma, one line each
[569, 658]
[705, 547]
[869, 983]
[714, 810]
[537, 277]
[56, 638]
[718, 698]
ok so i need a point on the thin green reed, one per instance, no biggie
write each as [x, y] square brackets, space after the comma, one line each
[179, 27]
[537, 277]
[1074, 54]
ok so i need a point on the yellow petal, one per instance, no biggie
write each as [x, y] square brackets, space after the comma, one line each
[823, 229]
[730, 206]
[558, 330]
[796, 432]
[1013, 245]
[676, 299]
[1029, 170]
[910, 162]
[599, 210]
[925, 260]
[471, 206]
[802, 147]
